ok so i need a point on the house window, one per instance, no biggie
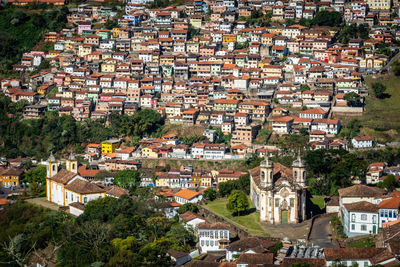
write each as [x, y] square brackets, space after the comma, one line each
[353, 227]
[276, 202]
[363, 217]
[66, 195]
[292, 202]
[390, 214]
[363, 227]
[366, 264]
[382, 213]
[353, 217]
[84, 199]
[374, 219]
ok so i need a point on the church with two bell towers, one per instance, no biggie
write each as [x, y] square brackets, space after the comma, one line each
[279, 192]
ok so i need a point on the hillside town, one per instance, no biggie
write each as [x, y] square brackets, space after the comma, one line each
[201, 133]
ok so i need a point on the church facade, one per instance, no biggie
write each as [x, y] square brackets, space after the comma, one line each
[279, 192]
[66, 186]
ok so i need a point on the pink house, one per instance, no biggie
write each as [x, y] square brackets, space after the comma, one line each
[84, 26]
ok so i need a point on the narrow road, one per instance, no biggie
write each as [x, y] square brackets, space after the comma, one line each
[321, 233]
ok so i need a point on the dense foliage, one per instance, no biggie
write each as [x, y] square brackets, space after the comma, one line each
[36, 138]
[21, 30]
[353, 99]
[116, 232]
[329, 170]
[243, 184]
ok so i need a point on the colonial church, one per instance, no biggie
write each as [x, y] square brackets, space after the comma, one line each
[65, 186]
[278, 192]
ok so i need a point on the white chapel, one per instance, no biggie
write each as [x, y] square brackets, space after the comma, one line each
[66, 186]
[279, 192]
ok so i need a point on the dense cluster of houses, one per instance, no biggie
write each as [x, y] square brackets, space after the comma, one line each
[200, 63]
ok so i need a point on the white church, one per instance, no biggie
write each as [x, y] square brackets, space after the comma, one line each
[66, 187]
[278, 192]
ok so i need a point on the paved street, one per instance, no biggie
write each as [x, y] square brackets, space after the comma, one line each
[321, 233]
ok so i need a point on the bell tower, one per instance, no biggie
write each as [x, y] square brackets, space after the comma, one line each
[72, 163]
[51, 166]
[266, 171]
[299, 171]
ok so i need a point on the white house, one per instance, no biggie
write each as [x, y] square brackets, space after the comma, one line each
[213, 237]
[188, 196]
[389, 210]
[362, 142]
[360, 218]
[329, 126]
[357, 193]
[314, 113]
[191, 219]
[361, 256]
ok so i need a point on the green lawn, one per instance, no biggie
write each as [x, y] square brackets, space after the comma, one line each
[249, 222]
[365, 243]
[319, 201]
[380, 119]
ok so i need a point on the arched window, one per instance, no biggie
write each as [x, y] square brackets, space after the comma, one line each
[304, 175]
[295, 175]
[73, 166]
[54, 167]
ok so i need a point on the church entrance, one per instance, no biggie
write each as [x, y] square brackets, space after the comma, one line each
[284, 216]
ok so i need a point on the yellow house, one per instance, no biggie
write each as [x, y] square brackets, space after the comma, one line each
[43, 89]
[10, 177]
[206, 180]
[229, 38]
[195, 180]
[195, 21]
[162, 181]
[109, 146]
[115, 32]
[150, 152]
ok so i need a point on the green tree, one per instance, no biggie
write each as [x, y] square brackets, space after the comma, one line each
[37, 175]
[379, 89]
[128, 179]
[209, 194]
[304, 87]
[225, 188]
[188, 207]
[389, 183]
[237, 202]
[353, 99]
[327, 18]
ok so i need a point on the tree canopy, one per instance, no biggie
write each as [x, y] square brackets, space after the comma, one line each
[379, 89]
[237, 202]
[353, 99]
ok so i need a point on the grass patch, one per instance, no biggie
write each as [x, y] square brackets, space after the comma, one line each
[364, 243]
[380, 119]
[319, 201]
[249, 222]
